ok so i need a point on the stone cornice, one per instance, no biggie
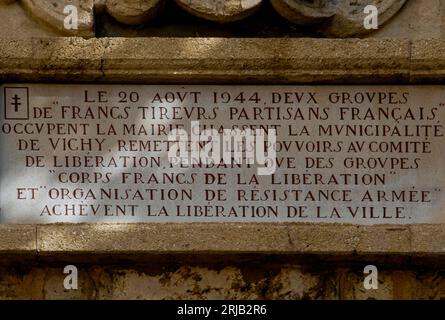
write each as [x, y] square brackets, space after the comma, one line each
[145, 240]
[220, 60]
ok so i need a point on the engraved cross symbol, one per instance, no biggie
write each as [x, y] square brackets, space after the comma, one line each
[16, 102]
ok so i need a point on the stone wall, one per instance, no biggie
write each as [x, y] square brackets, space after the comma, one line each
[249, 280]
[295, 261]
[221, 261]
[286, 261]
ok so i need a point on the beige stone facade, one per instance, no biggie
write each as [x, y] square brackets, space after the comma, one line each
[223, 261]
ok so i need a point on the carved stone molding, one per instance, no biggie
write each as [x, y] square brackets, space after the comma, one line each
[50, 13]
[133, 11]
[304, 11]
[333, 18]
[348, 20]
[220, 10]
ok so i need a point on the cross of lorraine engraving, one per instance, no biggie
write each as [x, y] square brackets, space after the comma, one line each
[16, 102]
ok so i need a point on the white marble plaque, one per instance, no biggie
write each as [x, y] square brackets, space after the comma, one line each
[102, 153]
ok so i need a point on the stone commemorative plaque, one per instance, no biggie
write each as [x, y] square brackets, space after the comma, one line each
[102, 153]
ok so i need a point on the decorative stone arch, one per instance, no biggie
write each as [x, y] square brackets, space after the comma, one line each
[334, 18]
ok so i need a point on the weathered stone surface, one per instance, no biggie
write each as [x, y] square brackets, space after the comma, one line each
[420, 19]
[162, 238]
[305, 12]
[192, 60]
[349, 17]
[22, 283]
[74, 58]
[147, 239]
[17, 239]
[350, 284]
[398, 284]
[340, 18]
[14, 17]
[220, 11]
[52, 14]
[238, 238]
[428, 61]
[249, 281]
[252, 281]
[427, 238]
[227, 283]
[133, 11]
[383, 238]
[417, 19]
[279, 60]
